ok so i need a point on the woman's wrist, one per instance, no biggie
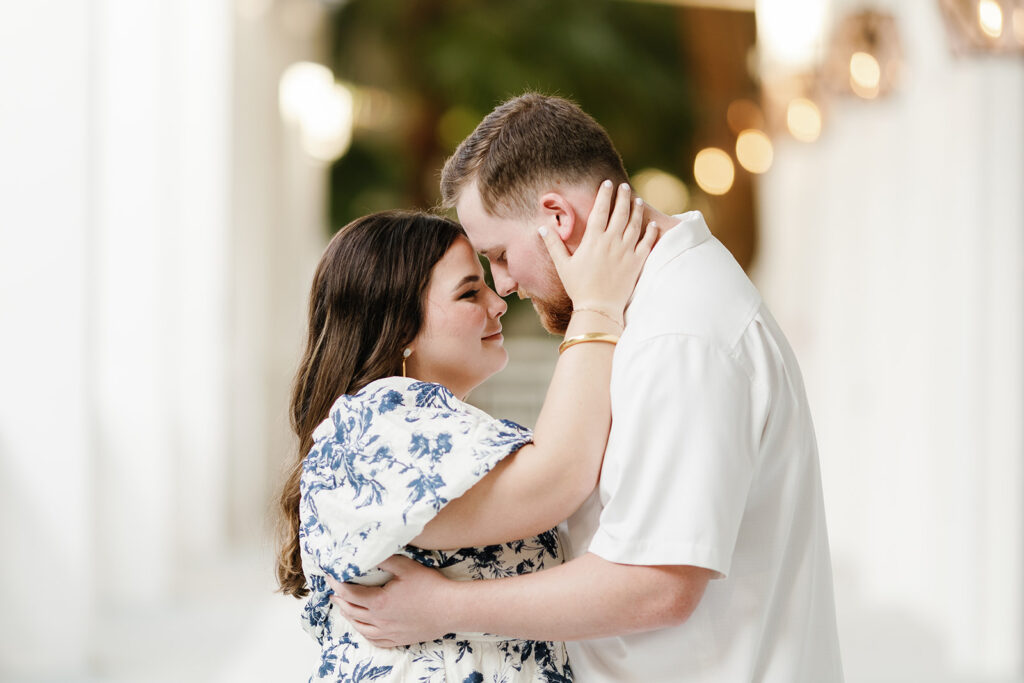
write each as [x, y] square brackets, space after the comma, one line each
[587, 321]
[618, 319]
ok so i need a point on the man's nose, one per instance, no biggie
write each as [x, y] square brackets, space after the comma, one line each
[503, 284]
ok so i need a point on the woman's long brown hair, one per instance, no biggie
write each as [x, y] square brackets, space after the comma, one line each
[365, 306]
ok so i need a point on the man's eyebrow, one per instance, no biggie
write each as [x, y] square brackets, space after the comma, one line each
[465, 280]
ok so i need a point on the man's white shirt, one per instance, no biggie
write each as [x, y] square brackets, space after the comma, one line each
[711, 462]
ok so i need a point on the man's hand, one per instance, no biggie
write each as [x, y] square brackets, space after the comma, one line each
[407, 609]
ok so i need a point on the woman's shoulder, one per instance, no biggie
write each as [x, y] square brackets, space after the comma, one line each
[386, 399]
[396, 393]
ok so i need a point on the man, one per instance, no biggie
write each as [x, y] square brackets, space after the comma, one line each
[703, 555]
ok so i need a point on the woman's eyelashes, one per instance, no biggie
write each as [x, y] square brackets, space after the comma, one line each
[469, 294]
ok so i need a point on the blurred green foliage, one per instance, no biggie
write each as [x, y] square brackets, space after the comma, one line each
[449, 62]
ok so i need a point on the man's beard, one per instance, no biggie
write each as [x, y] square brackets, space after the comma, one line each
[554, 308]
[555, 311]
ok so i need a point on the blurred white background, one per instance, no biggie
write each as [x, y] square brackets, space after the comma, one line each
[159, 224]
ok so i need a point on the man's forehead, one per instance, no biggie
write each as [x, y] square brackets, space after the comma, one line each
[487, 233]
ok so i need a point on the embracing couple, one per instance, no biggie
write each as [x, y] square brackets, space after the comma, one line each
[675, 439]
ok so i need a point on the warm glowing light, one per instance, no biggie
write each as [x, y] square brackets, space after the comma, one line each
[804, 120]
[754, 151]
[790, 32]
[713, 170]
[326, 129]
[1018, 24]
[301, 84]
[990, 17]
[743, 114]
[865, 74]
[661, 190]
[322, 110]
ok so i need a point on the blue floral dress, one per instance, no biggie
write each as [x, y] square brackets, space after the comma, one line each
[382, 465]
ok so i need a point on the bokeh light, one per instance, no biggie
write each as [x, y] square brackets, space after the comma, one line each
[804, 120]
[743, 114]
[326, 128]
[661, 190]
[990, 18]
[754, 151]
[865, 75]
[300, 84]
[713, 170]
[790, 31]
[323, 110]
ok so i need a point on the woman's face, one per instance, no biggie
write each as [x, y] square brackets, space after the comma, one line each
[460, 344]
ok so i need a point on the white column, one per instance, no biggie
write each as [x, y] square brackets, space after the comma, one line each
[279, 230]
[134, 329]
[46, 525]
[893, 249]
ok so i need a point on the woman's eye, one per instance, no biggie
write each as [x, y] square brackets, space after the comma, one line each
[470, 294]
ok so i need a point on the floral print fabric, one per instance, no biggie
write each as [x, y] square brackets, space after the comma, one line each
[382, 465]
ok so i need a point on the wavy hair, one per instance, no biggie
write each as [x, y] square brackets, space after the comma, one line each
[365, 306]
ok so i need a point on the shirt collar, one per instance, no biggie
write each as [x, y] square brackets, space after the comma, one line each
[690, 231]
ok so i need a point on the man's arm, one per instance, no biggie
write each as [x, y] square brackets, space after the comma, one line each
[586, 598]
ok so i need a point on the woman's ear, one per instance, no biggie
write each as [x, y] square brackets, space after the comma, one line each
[561, 217]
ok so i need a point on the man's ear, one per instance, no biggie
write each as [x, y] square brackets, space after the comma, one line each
[559, 215]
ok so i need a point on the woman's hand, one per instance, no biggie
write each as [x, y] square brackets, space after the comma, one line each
[601, 274]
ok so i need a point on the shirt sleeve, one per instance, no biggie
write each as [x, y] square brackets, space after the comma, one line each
[384, 464]
[681, 455]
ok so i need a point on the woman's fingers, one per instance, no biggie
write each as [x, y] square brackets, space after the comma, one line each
[647, 242]
[622, 210]
[631, 233]
[598, 219]
[556, 247]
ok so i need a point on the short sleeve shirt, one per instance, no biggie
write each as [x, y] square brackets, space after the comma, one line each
[712, 462]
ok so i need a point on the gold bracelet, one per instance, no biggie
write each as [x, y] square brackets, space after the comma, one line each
[620, 323]
[588, 337]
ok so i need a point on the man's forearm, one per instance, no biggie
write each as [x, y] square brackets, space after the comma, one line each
[586, 598]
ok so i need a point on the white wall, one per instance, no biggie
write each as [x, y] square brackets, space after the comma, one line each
[157, 236]
[46, 427]
[893, 254]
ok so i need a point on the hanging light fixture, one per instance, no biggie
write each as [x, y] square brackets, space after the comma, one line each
[865, 56]
[984, 26]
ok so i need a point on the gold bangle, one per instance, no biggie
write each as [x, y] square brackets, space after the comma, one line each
[620, 323]
[588, 337]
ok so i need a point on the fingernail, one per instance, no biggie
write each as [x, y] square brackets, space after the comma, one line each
[624, 186]
[543, 231]
[606, 183]
[652, 224]
[639, 202]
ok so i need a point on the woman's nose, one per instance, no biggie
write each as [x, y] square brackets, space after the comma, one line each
[499, 307]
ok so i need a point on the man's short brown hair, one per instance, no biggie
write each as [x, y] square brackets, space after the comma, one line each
[527, 141]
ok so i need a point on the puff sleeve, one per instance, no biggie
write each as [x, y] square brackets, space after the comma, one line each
[383, 464]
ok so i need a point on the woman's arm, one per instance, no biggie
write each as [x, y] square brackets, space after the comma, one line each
[545, 482]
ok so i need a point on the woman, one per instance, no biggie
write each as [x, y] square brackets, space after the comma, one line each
[401, 328]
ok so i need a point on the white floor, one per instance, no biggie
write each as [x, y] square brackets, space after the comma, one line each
[230, 628]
